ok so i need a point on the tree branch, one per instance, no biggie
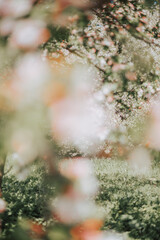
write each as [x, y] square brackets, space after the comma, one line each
[81, 56]
[147, 41]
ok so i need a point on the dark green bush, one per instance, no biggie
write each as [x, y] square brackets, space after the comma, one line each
[131, 203]
[24, 199]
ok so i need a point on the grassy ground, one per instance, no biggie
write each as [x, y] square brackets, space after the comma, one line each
[130, 203]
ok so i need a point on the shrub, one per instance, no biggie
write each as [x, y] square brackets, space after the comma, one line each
[131, 203]
[26, 198]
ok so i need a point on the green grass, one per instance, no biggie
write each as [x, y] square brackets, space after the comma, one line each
[130, 203]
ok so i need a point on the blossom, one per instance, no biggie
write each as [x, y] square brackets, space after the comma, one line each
[2, 205]
[79, 170]
[152, 133]
[6, 26]
[62, 4]
[77, 117]
[140, 160]
[80, 123]
[73, 210]
[29, 77]
[15, 8]
[89, 229]
[132, 76]
[76, 168]
[118, 67]
[29, 34]
[21, 143]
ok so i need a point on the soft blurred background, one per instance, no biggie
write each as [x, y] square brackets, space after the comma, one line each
[79, 119]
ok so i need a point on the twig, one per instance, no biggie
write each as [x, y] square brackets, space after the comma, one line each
[81, 56]
[5, 173]
[147, 41]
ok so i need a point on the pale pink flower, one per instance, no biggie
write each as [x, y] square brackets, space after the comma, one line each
[70, 210]
[65, 3]
[76, 168]
[2, 205]
[81, 171]
[153, 130]
[118, 67]
[29, 34]
[15, 8]
[6, 26]
[30, 75]
[140, 160]
[79, 123]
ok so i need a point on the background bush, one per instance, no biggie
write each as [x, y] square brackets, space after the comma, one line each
[26, 198]
[130, 203]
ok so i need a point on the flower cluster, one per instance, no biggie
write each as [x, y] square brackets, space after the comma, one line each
[50, 100]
